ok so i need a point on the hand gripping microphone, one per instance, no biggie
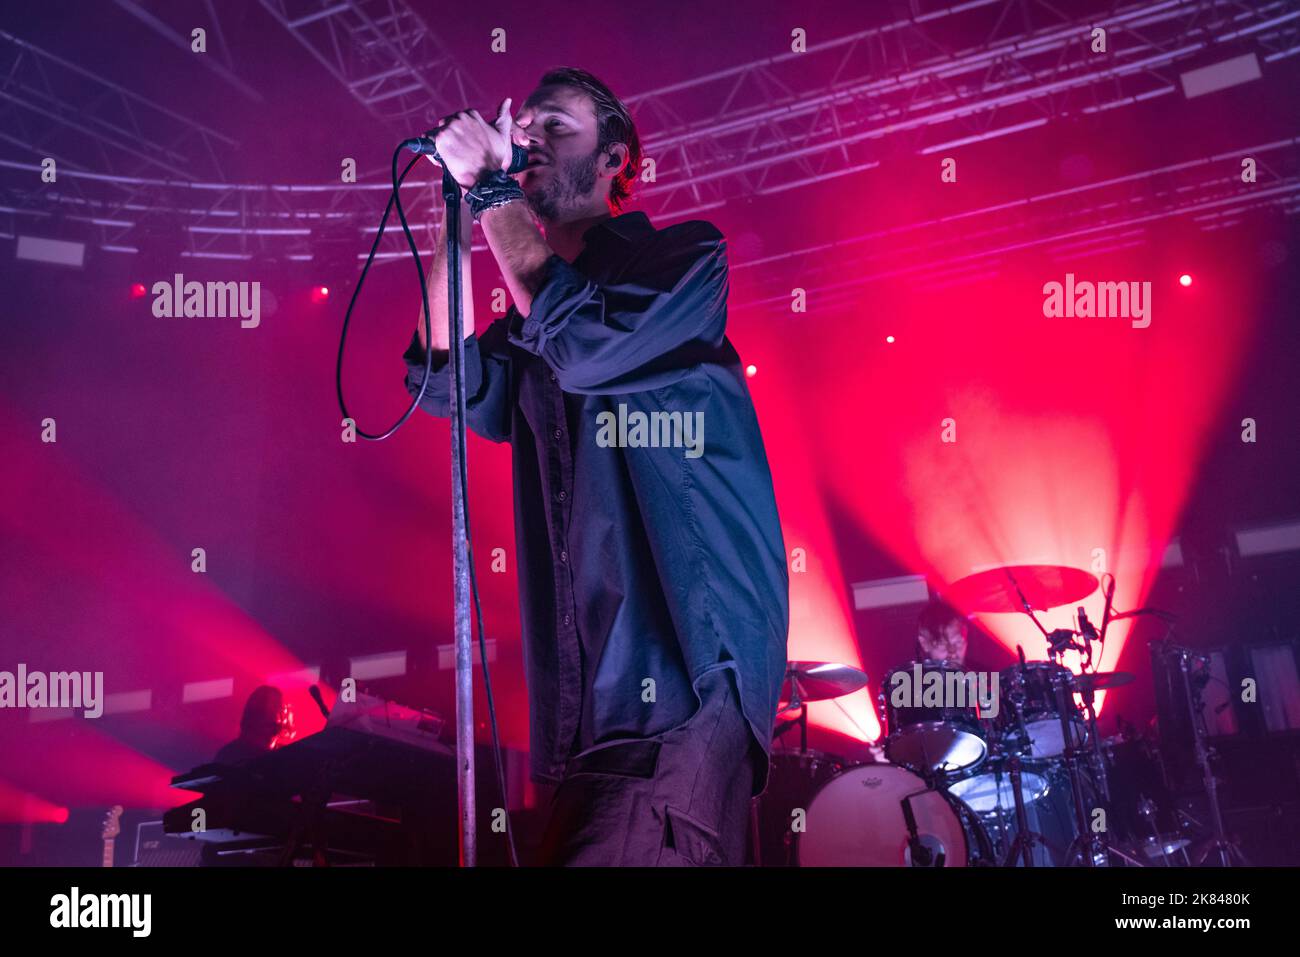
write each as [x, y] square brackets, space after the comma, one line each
[424, 145]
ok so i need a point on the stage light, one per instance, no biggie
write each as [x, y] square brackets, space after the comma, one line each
[751, 371]
[889, 338]
[1185, 279]
[137, 290]
[320, 293]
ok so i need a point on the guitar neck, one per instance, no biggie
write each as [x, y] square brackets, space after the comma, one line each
[108, 851]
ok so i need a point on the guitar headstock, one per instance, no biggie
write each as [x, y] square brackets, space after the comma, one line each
[112, 828]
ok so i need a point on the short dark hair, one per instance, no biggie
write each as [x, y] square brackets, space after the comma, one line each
[936, 617]
[613, 125]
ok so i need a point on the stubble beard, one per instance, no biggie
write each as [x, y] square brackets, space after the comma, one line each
[571, 184]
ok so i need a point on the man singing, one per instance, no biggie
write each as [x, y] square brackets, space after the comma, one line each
[653, 583]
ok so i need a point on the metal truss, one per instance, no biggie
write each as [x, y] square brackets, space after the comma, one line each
[1067, 224]
[161, 17]
[752, 130]
[51, 107]
[383, 53]
[834, 110]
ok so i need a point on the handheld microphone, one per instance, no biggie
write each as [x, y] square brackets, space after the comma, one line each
[424, 145]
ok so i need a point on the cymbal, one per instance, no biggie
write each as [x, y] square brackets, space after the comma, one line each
[1044, 586]
[1101, 680]
[820, 680]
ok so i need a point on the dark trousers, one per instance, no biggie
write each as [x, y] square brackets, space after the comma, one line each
[680, 798]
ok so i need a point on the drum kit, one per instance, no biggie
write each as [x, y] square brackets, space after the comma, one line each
[959, 783]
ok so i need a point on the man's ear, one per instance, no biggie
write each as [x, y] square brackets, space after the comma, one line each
[617, 156]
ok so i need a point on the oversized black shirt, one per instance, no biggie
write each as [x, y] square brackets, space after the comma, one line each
[649, 548]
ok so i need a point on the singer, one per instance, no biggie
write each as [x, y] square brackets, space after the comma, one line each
[653, 584]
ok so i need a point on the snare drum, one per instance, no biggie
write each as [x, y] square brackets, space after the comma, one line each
[856, 820]
[1040, 682]
[934, 732]
[990, 790]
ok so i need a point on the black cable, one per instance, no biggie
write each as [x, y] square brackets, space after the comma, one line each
[463, 478]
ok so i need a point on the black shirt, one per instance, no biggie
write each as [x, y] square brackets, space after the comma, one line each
[647, 557]
[239, 751]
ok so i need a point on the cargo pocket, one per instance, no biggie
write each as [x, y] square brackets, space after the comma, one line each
[688, 842]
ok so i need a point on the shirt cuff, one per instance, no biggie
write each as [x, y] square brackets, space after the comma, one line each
[439, 387]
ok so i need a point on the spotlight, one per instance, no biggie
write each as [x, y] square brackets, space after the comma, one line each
[1185, 279]
[320, 293]
[889, 338]
[751, 371]
[137, 290]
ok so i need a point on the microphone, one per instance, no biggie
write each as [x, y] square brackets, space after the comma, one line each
[1087, 628]
[1110, 605]
[424, 145]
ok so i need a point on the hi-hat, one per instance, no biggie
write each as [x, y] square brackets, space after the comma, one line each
[820, 680]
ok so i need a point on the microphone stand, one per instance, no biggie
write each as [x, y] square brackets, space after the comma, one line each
[451, 194]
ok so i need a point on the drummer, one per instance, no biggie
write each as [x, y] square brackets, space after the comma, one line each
[941, 634]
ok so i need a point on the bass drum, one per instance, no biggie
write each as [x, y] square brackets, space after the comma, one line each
[856, 820]
[794, 777]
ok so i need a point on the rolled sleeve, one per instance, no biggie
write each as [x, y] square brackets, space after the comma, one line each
[630, 333]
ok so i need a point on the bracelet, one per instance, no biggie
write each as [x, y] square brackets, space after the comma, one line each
[492, 190]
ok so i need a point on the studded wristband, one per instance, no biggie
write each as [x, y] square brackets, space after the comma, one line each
[493, 190]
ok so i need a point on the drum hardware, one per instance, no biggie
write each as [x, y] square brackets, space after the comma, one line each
[936, 806]
[932, 738]
[920, 855]
[807, 681]
[1161, 845]
[1024, 841]
[1045, 722]
[1025, 838]
[1218, 846]
[796, 775]
[1089, 844]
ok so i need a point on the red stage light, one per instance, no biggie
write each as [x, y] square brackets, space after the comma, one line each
[1185, 279]
[137, 290]
[751, 371]
[889, 338]
[320, 293]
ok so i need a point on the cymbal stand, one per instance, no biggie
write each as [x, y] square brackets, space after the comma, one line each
[1025, 839]
[1218, 845]
[1092, 847]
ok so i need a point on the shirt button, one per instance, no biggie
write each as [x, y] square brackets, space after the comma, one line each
[564, 557]
[552, 376]
[563, 495]
[567, 619]
[559, 433]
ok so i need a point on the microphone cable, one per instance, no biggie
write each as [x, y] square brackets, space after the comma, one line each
[457, 374]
